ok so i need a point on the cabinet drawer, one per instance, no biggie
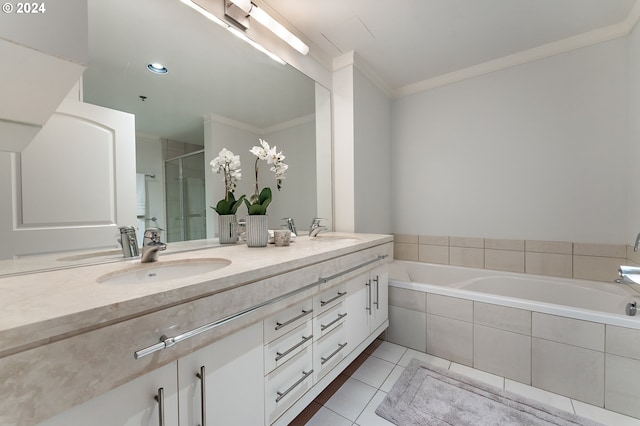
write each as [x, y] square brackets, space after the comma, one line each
[286, 320]
[286, 347]
[329, 298]
[329, 320]
[329, 351]
[285, 385]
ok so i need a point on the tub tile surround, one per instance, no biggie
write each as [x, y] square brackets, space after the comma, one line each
[597, 262]
[583, 360]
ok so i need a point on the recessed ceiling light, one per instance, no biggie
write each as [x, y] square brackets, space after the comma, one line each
[157, 68]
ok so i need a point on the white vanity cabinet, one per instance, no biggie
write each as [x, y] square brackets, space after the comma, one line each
[367, 303]
[140, 402]
[221, 384]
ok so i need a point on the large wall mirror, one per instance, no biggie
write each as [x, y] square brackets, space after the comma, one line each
[218, 92]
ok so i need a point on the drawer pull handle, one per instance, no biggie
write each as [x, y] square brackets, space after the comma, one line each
[160, 398]
[326, 302]
[377, 281]
[279, 325]
[203, 393]
[281, 355]
[368, 307]
[323, 327]
[334, 353]
[293, 386]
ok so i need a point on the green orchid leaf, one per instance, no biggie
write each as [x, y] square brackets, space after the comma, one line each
[265, 194]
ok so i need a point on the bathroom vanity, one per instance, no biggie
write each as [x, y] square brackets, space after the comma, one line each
[229, 335]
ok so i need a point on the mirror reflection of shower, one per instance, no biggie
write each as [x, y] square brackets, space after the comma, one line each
[185, 197]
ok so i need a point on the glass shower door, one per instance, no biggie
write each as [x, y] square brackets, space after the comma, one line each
[185, 195]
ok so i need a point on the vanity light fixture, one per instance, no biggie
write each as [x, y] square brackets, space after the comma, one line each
[234, 31]
[251, 9]
[157, 68]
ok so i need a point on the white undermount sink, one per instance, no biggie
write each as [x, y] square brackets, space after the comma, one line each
[163, 271]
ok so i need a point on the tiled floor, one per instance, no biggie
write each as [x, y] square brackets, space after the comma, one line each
[352, 398]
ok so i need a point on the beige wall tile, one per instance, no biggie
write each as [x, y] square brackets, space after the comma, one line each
[557, 247]
[604, 250]
[499, 244]
[502, 317]
[450, 307]
[621, 385]
[407, 328]
[504, 260]
[405, 238]
[623, 341]
[464, 256]
[503, 353]
[557, 265]
[571, 331]
[568, 370]
[433, 254]
[450, 339]
[633, 256]
[472, 242]
[403, 251]
[596, 268]
[433, 240]
[408, 299]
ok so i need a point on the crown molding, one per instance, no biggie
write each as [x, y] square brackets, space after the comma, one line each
[562, 46]
[220, 119]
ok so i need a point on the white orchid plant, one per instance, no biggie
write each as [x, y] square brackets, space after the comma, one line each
[228, 164]
[260, 200]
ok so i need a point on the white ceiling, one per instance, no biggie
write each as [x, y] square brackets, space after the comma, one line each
[409, 41]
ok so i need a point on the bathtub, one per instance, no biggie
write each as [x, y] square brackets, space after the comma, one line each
[567, 336]
[595, 301]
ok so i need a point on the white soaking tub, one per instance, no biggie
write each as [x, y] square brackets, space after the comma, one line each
[567, 336]
[586, 300]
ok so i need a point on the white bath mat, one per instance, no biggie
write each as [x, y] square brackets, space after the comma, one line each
[426, 395]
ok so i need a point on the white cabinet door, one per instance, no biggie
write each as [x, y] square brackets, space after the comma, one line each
[233, 381]
[379, 287]
[356, 305]
[132, 404]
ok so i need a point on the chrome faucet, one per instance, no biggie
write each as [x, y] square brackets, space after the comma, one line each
[315, 228]
[637, 244]
[128, 241]
[290, 225]
[151, 245]
[624, 272]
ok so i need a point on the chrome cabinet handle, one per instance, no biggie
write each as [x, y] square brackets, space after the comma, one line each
[280, 355]
[325, 326]
[326, 302]
[377, 281]
[203, 393]
[286, 323]
[368, 308]
[160, 398]
[305, 375]
[341, 346]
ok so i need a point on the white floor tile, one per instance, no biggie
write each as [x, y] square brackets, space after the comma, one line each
[483, 376]
[326, 417]
[369, 416]
[434, 360]
[389, 352]
[392, 378]
[603, 416]
[553, 399]
[373, 371]
[351, 399]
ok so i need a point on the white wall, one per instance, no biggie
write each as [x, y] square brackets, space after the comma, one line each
[372, 165]
[535, 151]
[633, 162]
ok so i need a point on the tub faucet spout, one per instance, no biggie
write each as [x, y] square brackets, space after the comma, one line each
[627, 274]
[637, 244]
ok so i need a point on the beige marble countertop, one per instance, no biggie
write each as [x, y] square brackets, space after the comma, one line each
[39, 306]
